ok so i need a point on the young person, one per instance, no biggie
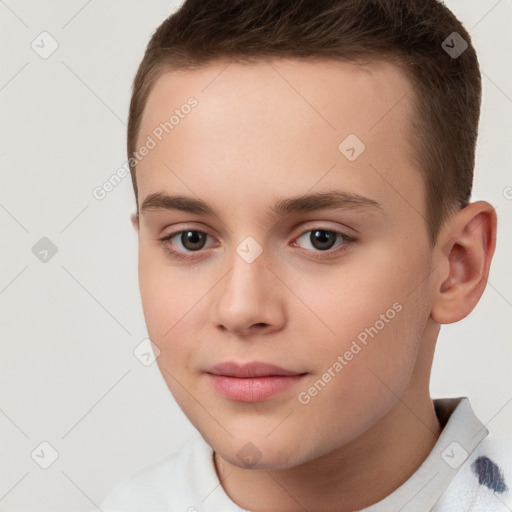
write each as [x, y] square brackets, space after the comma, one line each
[303, 172]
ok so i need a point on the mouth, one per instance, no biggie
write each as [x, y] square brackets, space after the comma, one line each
[251, 382]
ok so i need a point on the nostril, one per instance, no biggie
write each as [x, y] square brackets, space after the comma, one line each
[260, 325]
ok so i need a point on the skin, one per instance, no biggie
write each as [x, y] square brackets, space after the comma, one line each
[270, 130]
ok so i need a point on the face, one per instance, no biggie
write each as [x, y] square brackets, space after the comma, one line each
[333, 289]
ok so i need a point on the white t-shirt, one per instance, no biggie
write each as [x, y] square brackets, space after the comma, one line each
[467, 470]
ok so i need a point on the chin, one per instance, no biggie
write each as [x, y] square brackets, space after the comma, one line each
[260, 453]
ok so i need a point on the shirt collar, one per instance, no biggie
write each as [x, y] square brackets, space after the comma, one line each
[461, 435]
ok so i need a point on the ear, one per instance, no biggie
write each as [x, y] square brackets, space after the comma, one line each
[135, 221]
[463, 255]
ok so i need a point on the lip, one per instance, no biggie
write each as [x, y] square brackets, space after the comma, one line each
[251, 382]
[251, 369]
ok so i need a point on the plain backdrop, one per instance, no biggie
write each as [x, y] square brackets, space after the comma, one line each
[69, 325]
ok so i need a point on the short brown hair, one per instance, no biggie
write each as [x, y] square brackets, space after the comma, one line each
[447, 88]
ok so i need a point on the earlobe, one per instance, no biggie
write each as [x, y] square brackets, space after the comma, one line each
[466, 245]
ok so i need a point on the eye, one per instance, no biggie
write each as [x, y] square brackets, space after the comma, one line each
[322, 240]
[190, 240]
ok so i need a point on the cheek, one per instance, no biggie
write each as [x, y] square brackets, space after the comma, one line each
[350, 300]
[166, 293]
[374, 317]
[171, 321]
[362, 370]
[171, 308]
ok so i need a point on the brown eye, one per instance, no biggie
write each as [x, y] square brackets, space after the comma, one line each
[324, 239]
[182, 243]
[193, 240]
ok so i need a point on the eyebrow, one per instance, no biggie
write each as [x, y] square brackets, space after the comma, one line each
[330, 200]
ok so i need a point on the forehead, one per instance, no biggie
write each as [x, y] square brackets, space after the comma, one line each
[278, 124]
[363, 92]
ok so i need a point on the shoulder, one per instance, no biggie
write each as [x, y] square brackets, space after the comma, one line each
[484, 480]
[492, 464]
[164, 483]
[498, 445]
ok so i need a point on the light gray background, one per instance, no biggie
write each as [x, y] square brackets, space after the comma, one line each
[68, 375]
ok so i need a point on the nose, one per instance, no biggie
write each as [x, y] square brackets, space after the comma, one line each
[249, 299]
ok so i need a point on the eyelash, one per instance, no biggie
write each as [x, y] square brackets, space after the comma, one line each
[347, 240]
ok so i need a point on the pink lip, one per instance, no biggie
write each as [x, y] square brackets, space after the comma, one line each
[251, 382]
[252, 369]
